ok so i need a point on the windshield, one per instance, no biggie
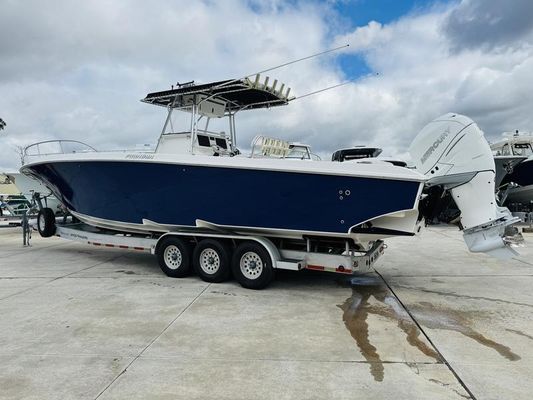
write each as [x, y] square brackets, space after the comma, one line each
[522, 149]
[300, 152]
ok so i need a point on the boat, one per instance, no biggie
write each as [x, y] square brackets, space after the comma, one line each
[364, 154]
[200, 177]
[12, 203]
[7, 187]
[202, 181]
[513, 155]
[15, 205]
[28, 186]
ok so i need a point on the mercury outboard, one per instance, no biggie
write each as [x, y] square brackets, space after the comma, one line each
[453, 153]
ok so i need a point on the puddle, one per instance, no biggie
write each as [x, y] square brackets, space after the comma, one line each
[355, 313]
[433, 317]
[126, 272]
[223, 293]
[371, 297]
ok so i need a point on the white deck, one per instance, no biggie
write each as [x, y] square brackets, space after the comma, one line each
[380, 171]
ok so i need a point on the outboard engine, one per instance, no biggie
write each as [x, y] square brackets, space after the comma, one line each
[453, 153]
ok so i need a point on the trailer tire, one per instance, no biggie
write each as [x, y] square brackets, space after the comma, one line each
[173, 256]
[252, 265]
[46, 222]
[211, 260]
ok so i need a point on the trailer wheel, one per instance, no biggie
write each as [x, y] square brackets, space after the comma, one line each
[211, 260]
[252, 265]
[46, 222]
[173, 255]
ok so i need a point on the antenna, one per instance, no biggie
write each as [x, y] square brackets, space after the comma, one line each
[282, 65]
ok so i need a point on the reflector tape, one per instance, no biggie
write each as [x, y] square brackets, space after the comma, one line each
[121, 246]
[340, 270]
[343, 270]
[315, 267]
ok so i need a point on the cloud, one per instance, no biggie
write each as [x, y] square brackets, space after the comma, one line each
[170, 37]
[366, 37]
[77, 71]
[419, 67]
[489, 23]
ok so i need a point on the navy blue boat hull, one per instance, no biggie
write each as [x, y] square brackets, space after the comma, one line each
[172, 194]
[523, 176]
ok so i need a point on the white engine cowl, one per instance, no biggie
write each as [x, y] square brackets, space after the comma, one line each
[453, 153]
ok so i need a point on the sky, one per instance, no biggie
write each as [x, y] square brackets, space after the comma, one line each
[77, 70]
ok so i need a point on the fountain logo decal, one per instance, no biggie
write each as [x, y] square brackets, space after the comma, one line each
[140, 156]
[434, 146]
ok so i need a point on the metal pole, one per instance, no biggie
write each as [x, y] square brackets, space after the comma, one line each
[26, 231]
[167, 120]
[193, 123]
[233, 132]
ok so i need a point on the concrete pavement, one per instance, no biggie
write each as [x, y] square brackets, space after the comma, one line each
[80, 322]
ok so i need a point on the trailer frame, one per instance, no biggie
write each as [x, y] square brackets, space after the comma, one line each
[334, 259]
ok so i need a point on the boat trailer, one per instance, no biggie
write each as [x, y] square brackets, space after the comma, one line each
[216, 255]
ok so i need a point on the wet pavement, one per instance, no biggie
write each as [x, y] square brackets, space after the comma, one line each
[356, 310]
[434, 322]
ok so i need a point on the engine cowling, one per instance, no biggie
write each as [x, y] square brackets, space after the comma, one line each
[453, 153]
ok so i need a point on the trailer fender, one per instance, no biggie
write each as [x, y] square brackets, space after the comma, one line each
[266, 243]
[270, 247]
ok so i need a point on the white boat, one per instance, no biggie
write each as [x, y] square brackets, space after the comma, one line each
[513, 155]
[365, 154]
[28, 186]
[7, 187]
[12, 203]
